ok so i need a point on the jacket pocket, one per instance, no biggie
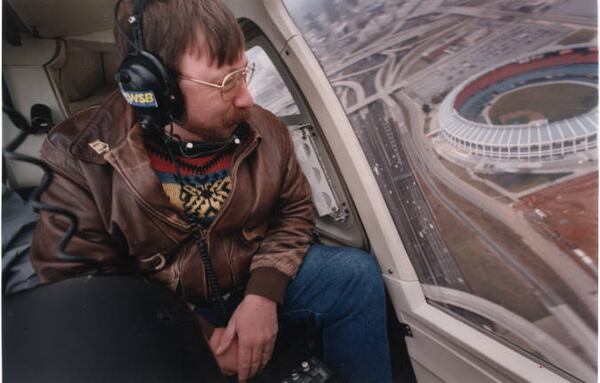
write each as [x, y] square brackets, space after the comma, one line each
[254, 233]
[248, 243]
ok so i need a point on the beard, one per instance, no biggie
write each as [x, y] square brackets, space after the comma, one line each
[218, 131]
[238, 117]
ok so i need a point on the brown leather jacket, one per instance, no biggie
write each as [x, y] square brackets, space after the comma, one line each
[260, 235]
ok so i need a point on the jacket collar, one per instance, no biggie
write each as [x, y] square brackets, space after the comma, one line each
[110, 127]
[132, 162]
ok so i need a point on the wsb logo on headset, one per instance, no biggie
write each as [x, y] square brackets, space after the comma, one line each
[140, 99]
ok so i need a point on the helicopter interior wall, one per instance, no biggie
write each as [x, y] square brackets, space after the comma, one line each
[66, 18]
[87, 76]
[29, 74]
[57, 73]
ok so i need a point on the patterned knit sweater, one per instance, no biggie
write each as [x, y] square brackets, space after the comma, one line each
[206, 179]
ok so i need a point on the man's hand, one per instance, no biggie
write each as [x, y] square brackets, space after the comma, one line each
[227, 360]
[255, 324]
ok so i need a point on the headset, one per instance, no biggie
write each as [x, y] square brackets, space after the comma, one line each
[146, 83]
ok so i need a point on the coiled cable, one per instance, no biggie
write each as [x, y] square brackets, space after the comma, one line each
[9, 153]
[198, 233]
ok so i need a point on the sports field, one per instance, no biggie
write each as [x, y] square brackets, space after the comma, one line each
[552, 102]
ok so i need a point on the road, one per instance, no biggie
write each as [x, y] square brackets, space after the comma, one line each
[577, 21]
[412, 213]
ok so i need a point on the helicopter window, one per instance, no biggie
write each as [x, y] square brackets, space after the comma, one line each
[276, 97]
[502, 237]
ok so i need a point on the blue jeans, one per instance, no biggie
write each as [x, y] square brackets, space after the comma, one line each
[340, 290]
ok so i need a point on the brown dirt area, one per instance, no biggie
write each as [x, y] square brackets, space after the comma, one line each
[571, 210]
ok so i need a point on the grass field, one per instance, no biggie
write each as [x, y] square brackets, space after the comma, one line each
[462, 173]
[581, 36]
[553, 101]
[517, 183]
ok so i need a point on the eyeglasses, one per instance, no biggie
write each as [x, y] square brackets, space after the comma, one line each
[231, 83]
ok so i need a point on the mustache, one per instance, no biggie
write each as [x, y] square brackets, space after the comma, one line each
[240, 116]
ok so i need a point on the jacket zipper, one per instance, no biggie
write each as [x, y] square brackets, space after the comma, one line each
[243, 153]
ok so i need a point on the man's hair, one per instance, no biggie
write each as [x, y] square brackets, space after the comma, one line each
[170, 27]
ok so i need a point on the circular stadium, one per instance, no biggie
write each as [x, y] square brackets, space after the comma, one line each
[539, 108]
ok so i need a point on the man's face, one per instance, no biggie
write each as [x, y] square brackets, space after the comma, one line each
[212, 114]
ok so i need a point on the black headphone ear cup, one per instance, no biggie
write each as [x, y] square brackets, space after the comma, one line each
[150, 88]
[157, 68]
[170, 88]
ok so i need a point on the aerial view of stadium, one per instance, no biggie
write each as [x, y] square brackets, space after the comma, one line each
[538, 109]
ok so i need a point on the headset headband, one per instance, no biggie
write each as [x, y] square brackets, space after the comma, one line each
[137, 24]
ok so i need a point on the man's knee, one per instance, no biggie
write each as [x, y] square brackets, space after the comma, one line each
[358, 272]
[366, 271]
[338, 280]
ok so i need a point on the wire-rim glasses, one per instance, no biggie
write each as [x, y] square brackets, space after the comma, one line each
[231, 82]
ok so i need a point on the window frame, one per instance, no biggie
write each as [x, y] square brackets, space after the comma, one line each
[350, 231]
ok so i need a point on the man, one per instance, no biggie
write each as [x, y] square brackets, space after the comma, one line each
[223, 176]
